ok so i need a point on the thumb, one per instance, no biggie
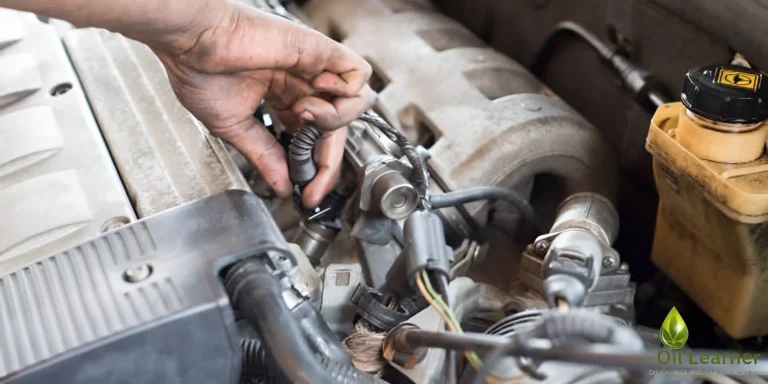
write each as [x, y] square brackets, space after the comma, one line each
[253, 140]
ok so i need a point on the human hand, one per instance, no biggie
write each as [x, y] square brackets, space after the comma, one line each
[241, 56]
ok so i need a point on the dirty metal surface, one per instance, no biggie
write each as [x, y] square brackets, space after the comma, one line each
[484, 118]
[165, 156]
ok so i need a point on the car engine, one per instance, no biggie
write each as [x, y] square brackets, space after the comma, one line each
[544, 192]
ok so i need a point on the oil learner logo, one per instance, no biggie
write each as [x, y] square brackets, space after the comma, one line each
[673, 332]
[738, 79]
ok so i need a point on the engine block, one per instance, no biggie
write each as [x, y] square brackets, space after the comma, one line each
[483, 117]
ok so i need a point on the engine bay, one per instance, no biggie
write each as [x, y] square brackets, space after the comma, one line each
[511, 210]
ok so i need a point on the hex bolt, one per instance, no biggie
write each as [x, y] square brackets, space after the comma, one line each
[609, 262]
[541, 247]
[138, 273]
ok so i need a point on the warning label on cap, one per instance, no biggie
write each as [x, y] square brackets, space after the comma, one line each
[736, 78]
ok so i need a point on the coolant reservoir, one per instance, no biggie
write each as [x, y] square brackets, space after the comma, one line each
[711, 172]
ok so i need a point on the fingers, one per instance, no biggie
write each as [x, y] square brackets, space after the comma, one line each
[262, 150]
[345, 75]
[329, 152]
[336, 113]
[352, 70]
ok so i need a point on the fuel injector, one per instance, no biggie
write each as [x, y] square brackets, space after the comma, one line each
[321, 224]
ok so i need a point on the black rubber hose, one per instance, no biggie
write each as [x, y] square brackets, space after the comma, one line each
[589, 326]
[256, 367]
[569, 28]
[254, 363]
[452, 199]
[258, 295]
[638, 80]
[320, 337]
[301, 165]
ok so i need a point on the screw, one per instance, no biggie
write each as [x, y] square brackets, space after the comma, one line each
[541, 247]
[137, 274]
[624, 267]
[609, 262]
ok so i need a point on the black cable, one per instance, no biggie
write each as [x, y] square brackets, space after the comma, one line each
[420, 176]
[639, 81]
[510, 196]
[568, 27]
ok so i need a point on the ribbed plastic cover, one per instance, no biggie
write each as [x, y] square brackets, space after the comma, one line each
[58, 186]
[74, 317]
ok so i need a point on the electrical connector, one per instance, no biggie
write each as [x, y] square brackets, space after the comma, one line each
[425, 246]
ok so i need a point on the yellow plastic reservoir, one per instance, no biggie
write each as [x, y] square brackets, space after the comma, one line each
[712, 229]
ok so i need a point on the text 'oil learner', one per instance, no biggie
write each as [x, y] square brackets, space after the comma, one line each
[674, 334]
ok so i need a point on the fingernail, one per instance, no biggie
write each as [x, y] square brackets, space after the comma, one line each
[308, 116]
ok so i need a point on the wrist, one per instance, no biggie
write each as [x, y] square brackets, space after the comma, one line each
[182, 31]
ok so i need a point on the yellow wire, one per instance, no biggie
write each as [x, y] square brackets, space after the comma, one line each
[439, 299]
[431, 301]
[436, 301]
[450, 320]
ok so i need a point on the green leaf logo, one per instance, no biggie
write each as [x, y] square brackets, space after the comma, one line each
[674, 332]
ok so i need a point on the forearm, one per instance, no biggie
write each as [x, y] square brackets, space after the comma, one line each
[174, 22]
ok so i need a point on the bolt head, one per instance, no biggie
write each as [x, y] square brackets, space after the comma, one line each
[541, 247]
[138, 273]
[609, 262]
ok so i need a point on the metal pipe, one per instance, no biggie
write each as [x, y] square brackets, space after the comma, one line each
[599, 355]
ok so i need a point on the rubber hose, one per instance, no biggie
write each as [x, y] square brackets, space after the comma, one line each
[254, 363]
[452, 199]
[256, 368]
[592, 327]
[319, 336]
[258, 295]
[301, 165]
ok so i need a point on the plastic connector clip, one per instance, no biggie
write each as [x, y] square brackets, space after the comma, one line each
[424, 245]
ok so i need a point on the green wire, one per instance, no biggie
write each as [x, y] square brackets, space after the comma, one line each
[439, 300]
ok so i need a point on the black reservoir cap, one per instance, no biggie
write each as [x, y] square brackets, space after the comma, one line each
[727, 93]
